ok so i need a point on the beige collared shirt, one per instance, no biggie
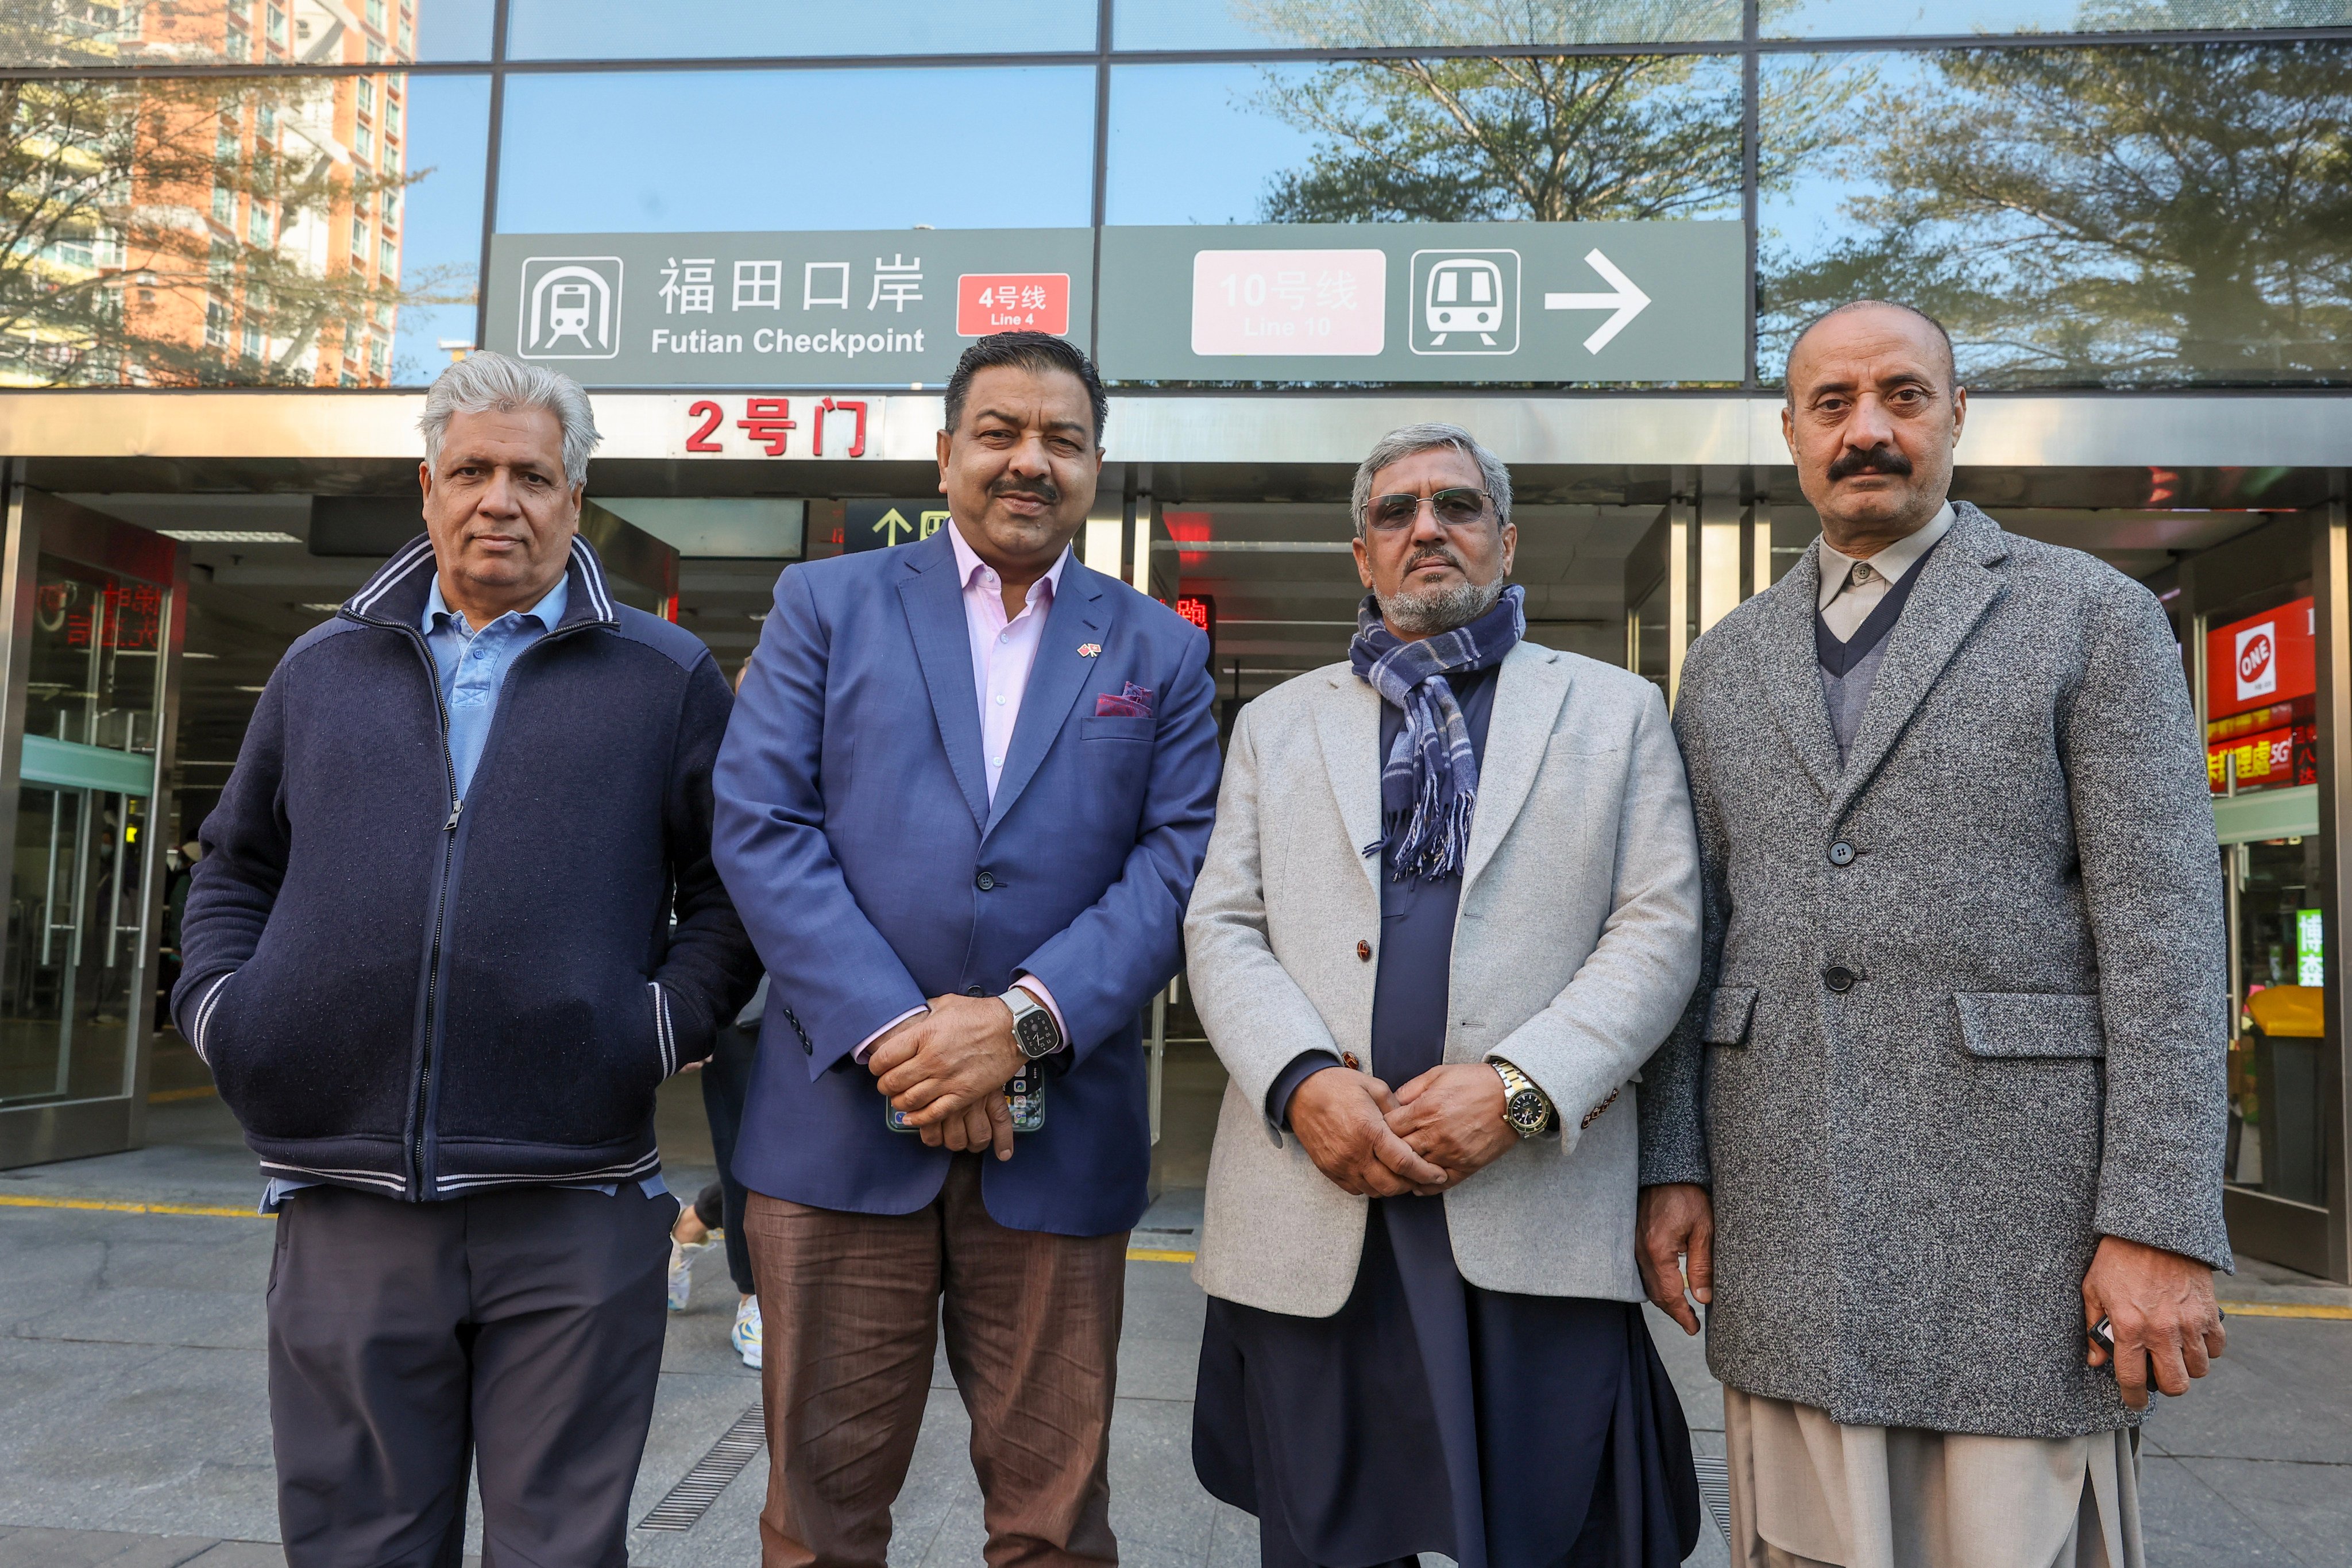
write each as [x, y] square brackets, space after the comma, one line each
[1852, 588]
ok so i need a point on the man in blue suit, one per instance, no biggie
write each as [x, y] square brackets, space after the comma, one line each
[965, 792]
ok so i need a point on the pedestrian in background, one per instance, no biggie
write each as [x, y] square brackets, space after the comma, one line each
[1450, 908]
[431, 964]
[719, 1206]
[961, 806]
[1949, 1104]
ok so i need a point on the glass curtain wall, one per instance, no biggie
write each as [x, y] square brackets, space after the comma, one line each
[2099, 193]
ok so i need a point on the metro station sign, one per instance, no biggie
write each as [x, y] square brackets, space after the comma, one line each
[1399, 303]
[1522, 303]
[855, 308]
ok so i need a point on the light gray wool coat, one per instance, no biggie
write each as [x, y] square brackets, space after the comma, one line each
[1574, 949]
[1910, 1178]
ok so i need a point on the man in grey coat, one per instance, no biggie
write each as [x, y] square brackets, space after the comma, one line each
[1950, 1092]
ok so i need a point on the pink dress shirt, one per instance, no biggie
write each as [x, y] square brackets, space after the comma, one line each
[1001, 654]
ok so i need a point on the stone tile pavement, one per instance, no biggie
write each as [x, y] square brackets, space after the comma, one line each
[135, 1434]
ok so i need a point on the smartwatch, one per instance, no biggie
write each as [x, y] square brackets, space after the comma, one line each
[1034, 1029]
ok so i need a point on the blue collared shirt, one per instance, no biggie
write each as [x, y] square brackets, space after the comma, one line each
[474, 664]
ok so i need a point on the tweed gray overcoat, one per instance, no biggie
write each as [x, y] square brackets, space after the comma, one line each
[1911, 1174]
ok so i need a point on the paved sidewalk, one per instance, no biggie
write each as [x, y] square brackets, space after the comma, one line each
[133, 1429]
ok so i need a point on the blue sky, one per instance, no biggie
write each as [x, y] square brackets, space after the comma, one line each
[1188, 146]
[453, 29]
[660, 151]
[1805, 217]
[448, 119]
[634, 30]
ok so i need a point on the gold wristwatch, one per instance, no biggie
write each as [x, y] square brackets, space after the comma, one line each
[1527, 1108]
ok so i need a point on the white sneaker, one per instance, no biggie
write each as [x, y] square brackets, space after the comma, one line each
[746, 1334]
[681, 1270]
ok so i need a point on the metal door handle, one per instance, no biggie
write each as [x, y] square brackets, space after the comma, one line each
[49, 926]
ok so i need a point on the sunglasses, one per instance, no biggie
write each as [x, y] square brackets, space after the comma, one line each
[1452, 508]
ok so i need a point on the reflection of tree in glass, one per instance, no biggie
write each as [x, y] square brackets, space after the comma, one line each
[183, 231]
[1552, 138]
[1423, 23]
[2106, 217]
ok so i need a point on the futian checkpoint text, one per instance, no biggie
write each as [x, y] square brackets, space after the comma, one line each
[775, 340]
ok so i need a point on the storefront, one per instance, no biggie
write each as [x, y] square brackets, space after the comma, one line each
[250, 230]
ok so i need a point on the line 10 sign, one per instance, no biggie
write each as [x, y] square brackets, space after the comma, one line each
[1290, 301]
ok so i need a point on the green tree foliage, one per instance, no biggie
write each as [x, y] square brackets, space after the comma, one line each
[1549, 138]
[129, 246]
[179, 231]
[2110, 217]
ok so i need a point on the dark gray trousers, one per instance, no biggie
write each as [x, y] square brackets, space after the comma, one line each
[726, 1082]
[525, 1326]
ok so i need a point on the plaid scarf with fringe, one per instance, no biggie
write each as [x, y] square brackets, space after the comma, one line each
[1429, 788]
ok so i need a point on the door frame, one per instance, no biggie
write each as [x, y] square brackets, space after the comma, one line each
[40, 524]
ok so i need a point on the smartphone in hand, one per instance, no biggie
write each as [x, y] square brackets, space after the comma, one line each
[1024, 1095]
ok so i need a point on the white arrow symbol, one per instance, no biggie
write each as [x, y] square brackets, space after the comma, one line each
[1628, 302]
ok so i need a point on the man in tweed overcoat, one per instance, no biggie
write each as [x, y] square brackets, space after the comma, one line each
[1950, 1090]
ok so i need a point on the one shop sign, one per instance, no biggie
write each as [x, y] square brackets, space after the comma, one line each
[2260, 693]
[865, 309]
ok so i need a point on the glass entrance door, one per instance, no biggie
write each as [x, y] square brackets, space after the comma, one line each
[89, 668]
[75, 958]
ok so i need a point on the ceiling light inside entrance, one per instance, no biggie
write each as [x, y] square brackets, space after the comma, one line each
[228, 535]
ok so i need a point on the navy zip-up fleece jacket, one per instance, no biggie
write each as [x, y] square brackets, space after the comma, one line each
[405, 995]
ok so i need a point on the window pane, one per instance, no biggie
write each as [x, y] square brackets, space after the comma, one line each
[736, 29]
[2078, 217]
[1877, 18]
[436, 221]
[201, 32]
[184, 232]
[1409, 24]
[793, 150]
[1450, 141]
[441, 30]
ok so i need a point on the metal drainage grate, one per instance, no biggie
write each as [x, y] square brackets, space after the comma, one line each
[691, 1499]
[1714, 1490]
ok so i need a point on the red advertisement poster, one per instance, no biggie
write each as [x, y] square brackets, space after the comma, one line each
[2268, 760]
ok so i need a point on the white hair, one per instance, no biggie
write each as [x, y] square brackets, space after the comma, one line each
[1403, 442]
[485, 381]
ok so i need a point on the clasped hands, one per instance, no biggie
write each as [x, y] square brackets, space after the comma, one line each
[945, 1071]
[1423, 1139]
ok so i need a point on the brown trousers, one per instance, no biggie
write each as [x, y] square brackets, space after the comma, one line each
[849, 1304]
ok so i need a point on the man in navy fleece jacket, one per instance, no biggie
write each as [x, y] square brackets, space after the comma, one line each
[430, 957]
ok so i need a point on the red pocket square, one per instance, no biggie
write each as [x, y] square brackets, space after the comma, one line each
[1135, 703]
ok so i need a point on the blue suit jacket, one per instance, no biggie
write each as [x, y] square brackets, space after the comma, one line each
[854, 828]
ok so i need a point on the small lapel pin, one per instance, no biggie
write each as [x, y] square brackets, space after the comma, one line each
[1089, 649]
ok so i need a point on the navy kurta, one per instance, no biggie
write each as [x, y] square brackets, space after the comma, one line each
[1428, 1415]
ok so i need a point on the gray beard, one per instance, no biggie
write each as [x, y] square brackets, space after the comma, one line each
[1435, 610]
